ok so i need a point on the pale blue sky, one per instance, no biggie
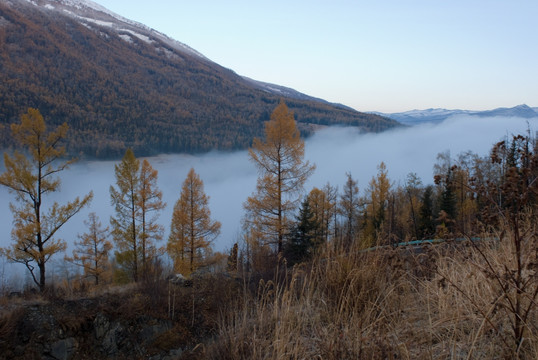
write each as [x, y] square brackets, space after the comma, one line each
[385, 55]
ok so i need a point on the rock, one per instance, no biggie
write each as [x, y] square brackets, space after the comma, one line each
[175, 354]
[63, 349]
[100, 325]
[150, 332]
[107, 333]
[110, 340]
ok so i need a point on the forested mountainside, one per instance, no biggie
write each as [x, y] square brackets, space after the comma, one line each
[119, 84]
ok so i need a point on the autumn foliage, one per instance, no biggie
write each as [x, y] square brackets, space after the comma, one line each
[92, 251]
[282, 174]
[149, 97]
[401, 270]
[192, 230]
[30, 177]
[137, 202]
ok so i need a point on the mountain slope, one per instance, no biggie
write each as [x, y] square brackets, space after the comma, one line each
[522, 111]
[415, 117]
[120, 84]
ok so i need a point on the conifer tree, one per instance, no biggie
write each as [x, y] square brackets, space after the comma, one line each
[322, 208]
[137, 202]
[192, 230]
[302, 238]
[31, 177]
[125, 228]
[412, 189]
[233, 258]
[282, 174]
[331, 195]
[349, 208]
[91, 253]
[447, 204]
[377, 199]
[426, 214]
[177, 240]
[444, 179]
[150, 204]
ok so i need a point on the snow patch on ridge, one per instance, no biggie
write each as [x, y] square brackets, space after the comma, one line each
[140, 36]
[90, 13]
[90, 20]
[126, 37]
[82, 4]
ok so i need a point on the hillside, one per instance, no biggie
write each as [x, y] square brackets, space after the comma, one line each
[120, 84]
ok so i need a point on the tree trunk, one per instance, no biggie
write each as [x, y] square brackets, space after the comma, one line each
[41, 276]
[280, 235]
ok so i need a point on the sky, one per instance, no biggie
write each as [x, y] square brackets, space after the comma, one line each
[386, 55]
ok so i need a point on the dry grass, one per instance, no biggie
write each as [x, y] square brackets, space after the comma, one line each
[390, 304]
[338, 307]
[8, 322]
[471, 302]
[450, 301]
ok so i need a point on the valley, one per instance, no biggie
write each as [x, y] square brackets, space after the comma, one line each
[156, 204]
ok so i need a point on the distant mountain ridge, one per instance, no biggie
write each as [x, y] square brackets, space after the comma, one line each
[118, 84]
[415, 117]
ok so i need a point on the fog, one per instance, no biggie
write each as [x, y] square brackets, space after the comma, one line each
[413, 149]
[229, 178]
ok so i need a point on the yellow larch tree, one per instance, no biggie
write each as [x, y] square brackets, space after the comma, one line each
[377, 196]
[91, 252]
[137, 201]
[31, 177]
[282, 174]
[317, 201]
[149, 205]
[177, 240]
[192, 230]
[323, 205]
[125, 228]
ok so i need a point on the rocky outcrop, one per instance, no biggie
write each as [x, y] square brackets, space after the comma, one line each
[63, 349]
[158, 320]
[64, 330]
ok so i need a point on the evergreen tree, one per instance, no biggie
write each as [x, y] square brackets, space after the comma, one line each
[302, 239]
[233, 258]
[443, 178]
[426, 214]
[447, 202]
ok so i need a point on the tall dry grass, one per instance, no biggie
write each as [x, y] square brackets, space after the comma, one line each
[477, 300]
[435, 303]
[342, 305]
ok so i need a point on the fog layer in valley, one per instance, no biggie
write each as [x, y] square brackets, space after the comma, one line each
[229, 178]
